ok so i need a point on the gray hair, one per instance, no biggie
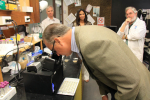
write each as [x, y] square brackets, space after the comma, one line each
[54, 30]
[132, 8]
[49, 7]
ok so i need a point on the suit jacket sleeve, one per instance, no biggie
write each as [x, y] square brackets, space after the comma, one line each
[108, 58]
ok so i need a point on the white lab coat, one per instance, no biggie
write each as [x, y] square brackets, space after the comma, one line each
[135, 37]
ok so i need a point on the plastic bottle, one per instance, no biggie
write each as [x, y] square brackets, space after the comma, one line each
[2, 5]
[7, 86]
[2, 90]
[40, 31]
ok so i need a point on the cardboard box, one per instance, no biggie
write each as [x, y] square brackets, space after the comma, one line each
[28, 39]
[23, 64]
[24, 3]
[27, 9]
[11, 6]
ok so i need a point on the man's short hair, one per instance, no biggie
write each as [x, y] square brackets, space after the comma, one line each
[49, 7]
[54, 30]
[132, 8]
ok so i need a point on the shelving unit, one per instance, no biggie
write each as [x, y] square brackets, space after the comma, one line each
[18, 16]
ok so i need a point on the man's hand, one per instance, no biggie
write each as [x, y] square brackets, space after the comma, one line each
[127, 21]
[123, 37]
[105, 97]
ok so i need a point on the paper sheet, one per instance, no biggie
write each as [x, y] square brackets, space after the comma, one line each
[70, 18]
[77, 2]
[88, 8]
[69, 2]
[90, 19]
[5, 48]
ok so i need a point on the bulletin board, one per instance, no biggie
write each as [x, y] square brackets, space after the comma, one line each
[105, 9]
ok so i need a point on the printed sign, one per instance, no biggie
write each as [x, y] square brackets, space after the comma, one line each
[100, 21]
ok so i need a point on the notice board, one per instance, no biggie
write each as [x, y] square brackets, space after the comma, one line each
[105, 9]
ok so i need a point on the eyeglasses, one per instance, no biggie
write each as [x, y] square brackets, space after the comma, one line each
[53, 51]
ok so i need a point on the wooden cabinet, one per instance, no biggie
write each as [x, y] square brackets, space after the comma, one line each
[18, 16]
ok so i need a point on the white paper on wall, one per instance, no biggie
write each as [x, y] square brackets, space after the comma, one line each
[77, 2]
[69, 2]
[90, 19]
[88, 8]
[70, 18]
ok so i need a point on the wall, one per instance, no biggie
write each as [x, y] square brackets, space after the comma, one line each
[105, 9]
[65, 13]
[118, 10]
[57, 11]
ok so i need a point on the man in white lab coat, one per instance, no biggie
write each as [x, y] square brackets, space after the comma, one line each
[133, 31]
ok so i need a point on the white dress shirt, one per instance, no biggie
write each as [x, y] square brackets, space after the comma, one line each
[48, 21]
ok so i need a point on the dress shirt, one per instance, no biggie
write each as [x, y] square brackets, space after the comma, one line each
[74, 47]
[48, 21]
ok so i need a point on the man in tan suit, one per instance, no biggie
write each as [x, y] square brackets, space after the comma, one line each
[107, 58]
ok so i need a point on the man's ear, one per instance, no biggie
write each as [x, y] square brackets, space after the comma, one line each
[58, 40]
[136, 13]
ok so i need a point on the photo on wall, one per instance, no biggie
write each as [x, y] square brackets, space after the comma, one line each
[96, 11]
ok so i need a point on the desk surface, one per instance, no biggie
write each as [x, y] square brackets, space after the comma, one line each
[27, 46]
[71, 70]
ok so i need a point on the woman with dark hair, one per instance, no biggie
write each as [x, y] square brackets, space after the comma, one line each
[81, 18]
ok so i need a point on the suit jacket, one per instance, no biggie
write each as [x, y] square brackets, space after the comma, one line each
[109, 60]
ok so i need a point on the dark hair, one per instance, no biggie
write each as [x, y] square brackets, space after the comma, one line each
[78, 18]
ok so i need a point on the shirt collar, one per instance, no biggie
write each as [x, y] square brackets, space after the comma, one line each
[51, 19]
[132, 23]
[74, 47]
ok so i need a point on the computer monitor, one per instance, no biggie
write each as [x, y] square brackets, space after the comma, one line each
[114, 28]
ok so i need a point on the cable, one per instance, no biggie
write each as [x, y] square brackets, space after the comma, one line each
[17, 49]
[32, 21]
[15, 24]
[10, 51]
